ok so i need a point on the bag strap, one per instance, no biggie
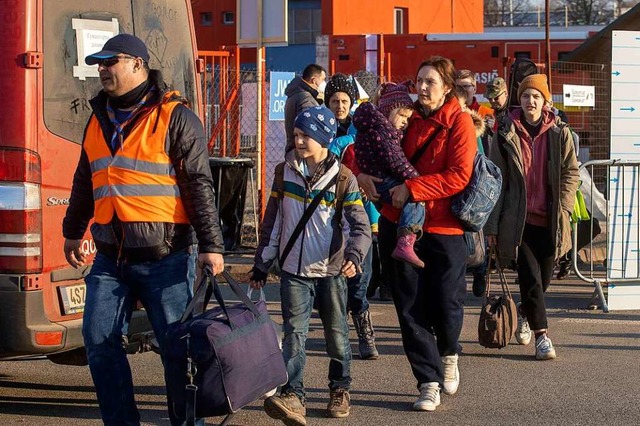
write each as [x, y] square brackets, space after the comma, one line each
[493, 254]
[341, 190]
[305, 218]
[209, 285]
[416, 155]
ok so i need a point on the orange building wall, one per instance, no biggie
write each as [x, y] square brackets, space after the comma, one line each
[218, 35]
[344, 17]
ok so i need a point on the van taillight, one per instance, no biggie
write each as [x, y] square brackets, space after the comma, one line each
[20, 211]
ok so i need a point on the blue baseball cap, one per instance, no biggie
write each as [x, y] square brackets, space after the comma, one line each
[122, 43]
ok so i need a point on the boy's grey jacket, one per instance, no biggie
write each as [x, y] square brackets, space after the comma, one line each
[327, 239]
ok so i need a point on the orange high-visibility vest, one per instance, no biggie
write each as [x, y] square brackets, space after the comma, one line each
[139, 182]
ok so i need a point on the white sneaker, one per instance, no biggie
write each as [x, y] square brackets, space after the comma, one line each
[523, 332]
[451, 374]
[429, 397]
[544, 348]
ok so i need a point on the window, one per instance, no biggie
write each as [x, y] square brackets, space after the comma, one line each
[65, 98]
[400, 20]
[562, 56]
[523, 55]
[206, 20]
[495, 51]
[227, 18]
[304, 25]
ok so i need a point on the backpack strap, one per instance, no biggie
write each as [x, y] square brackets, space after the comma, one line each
[278, 180]
[344, 174]
[416, 155]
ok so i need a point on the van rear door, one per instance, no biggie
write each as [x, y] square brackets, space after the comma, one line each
[41, 296]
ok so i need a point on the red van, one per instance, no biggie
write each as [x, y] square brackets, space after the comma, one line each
[46, 87]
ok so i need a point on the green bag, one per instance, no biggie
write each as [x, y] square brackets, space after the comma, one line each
[580, 212]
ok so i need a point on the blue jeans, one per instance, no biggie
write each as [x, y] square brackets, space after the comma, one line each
[296, 295]
[164, 287]
[357, 286]
[412, 216]
[481, 269]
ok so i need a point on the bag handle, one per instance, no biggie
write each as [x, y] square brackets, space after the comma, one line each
[493, 254]
[305, 218]
[209, 285]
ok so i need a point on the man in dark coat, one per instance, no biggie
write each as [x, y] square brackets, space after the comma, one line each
[302, 93]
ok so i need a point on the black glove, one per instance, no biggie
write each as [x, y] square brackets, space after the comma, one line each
[257, 275]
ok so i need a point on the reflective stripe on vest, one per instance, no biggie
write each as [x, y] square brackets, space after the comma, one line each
[139, 183]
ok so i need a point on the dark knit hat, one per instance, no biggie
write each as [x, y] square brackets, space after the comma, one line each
[319, 123]
[341, 83]
[393, 96]
[538, 82]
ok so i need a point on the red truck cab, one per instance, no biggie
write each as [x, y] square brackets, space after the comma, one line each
[47, 87]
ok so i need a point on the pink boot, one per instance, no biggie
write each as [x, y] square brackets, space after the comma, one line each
[404, 251]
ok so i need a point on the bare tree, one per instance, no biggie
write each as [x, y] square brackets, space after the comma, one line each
[498, 13]
[585, 12]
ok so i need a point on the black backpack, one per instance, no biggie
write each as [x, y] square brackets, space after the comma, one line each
[520, 69]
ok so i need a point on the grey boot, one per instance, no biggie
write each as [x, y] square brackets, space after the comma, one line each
[366, 338]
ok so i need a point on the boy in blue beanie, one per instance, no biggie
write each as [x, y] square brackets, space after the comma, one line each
[315, 261]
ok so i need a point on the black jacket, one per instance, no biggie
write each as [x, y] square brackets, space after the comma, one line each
[187, 148]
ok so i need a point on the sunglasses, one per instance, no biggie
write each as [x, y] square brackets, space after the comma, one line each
[495, 97]
[109, 62]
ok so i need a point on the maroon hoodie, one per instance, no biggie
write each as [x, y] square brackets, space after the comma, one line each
[534, 167]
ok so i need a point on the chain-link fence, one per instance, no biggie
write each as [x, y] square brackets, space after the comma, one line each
[231, 98]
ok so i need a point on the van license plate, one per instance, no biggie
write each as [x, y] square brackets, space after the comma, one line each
[73, 298]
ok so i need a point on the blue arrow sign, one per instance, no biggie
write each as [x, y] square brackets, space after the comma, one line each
[625, 215]
[616, 73]
[631, 109]
[612, 285]
[614, 180]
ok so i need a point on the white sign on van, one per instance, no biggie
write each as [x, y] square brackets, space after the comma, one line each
[91, 36]
[579, 96]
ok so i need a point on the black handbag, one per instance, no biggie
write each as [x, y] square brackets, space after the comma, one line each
[222, 359]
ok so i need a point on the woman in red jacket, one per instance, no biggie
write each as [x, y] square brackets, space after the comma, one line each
[429, 301]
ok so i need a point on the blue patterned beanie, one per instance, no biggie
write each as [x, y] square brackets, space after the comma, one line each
[319, 123]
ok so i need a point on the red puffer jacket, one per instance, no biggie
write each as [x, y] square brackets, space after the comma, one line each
[445, 167]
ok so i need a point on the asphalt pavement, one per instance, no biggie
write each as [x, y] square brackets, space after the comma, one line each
[594, 380]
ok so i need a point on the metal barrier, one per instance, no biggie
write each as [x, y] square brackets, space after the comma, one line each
[619, 179]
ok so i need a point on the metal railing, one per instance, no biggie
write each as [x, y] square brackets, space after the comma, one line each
[620, 255]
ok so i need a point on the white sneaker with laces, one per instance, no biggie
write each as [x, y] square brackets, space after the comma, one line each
[451, 374]
[544, 348]
[523, 332]
[429, 397]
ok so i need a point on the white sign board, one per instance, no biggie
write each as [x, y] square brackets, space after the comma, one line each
[91, 36]
[624, 182]
[579, 96]
[274, 23]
